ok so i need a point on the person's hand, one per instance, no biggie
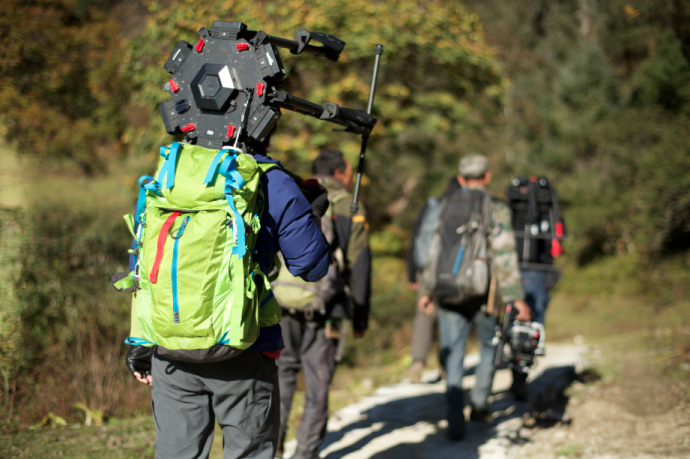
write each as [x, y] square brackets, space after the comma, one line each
[359, 333]
[524, 313]
[148, 379]
[414, 286]
[138, 361]
[426, 305]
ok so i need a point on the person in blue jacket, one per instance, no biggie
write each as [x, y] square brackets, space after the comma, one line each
[241, 392]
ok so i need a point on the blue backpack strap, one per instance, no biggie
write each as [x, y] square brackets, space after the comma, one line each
[176, 250]
[234, 181]
[211, 174]
[167, 174]
[134, 341]
[146, 183]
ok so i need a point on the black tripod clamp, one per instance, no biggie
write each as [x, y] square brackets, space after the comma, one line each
[354, 206]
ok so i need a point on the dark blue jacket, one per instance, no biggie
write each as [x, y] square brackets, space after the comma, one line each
[287, 225]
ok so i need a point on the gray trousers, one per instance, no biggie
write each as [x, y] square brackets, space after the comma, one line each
[422, 334]
[308, 349]
[240, 393]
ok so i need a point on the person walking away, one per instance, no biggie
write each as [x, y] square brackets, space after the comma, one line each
[240, 393]
[314, 314]
[539, 228]
[474, 240]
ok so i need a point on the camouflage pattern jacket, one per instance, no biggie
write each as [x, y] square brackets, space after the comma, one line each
[503, 253]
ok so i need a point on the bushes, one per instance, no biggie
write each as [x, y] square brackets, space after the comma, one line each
[63, 323]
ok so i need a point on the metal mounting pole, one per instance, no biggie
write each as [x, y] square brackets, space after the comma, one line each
[354, 207]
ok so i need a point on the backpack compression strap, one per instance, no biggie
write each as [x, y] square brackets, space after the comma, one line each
[167, 174]
[162, 236]
[233, 181]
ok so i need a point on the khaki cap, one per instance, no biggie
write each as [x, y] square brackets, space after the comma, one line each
[473, 166]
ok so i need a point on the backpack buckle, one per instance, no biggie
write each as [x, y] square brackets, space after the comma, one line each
[182, 228]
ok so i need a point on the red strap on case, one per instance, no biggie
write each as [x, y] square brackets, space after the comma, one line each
[162, 236]
[556, 249]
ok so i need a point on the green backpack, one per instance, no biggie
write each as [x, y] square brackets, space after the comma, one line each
[195, 229]
[294, 293]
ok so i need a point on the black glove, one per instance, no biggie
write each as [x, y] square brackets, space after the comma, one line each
[139, 359]
[317, 196]
[319, 205]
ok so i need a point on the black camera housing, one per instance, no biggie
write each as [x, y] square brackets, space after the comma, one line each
[225, 89]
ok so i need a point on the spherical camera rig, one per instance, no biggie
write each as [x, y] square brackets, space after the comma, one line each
[225, 90]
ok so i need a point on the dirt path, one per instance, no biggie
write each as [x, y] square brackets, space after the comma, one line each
[635, 418]
[642, 415]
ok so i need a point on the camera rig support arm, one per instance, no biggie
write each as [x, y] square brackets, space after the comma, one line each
[503, 335]
[330, 49]
[354, 120]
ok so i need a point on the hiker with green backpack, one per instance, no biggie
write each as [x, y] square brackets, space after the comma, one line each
[206, 230]
[315, 314]
[205, 324]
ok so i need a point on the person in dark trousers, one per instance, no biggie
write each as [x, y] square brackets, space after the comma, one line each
[308, 345]
[538, 252]
[241, 393]
[455, 321]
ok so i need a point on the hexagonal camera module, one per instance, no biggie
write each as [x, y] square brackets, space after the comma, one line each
[214, 87]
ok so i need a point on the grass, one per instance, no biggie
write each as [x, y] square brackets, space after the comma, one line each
[571, 451]
[119, 439]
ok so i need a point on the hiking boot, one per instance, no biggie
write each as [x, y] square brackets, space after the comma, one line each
[416, 371]
[456, 416]
[481, 415]
[455, 433]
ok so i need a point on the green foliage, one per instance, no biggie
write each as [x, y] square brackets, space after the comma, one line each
[435, 66]
[62, 324]
[11, 352]
[60, 87]
[390, 321]
[598, 101]
[599, 105]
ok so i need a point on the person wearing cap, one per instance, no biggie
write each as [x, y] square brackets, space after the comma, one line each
[455, 321]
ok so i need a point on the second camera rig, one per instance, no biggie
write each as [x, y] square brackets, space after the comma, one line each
[525, 340]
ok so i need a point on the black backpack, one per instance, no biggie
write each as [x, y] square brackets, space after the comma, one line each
[458, 267]
[537, 221]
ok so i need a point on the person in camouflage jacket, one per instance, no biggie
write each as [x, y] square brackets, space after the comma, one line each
[455, 321]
